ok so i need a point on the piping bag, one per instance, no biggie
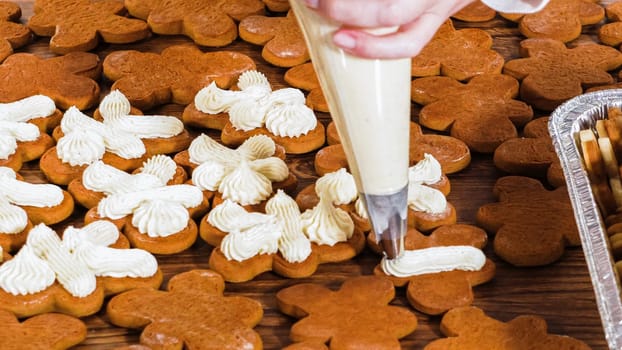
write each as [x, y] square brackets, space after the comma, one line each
[369, 101]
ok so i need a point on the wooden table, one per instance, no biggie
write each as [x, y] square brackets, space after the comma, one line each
[560, 293]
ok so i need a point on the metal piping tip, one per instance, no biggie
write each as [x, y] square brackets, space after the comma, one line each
[388, 214]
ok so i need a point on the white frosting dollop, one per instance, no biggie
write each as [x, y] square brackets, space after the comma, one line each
[26, 273]
[434, 260]
[71, 273]
[101, 177]
[326, 224]
[361, 210]
[229, 216]
[283, 111]
[339, 185]
[427, 171]
[426, 199]
[13, 219]
[294, 245]
[244, 175]
[159, 218]
[11, 132]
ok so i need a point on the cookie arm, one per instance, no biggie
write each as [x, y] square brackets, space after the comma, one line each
[519, 6]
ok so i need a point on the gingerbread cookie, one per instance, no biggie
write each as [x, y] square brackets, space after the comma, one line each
[48, 331]
[24, 125]
[257, 110]
[247, 175]
[122, 140]
[560, 20]
[283, 240]
[94, 184]
[532, 225]
[532, 155]
[303, 77]
[70, 80]
[277, 5]
[208, 23]
[611, 33]
[440, 269]
[167, 321]
[74, 275]
[175, 75]
[282, 40]
[23, 203]
[355, 316]
[154, 216]
[468, 328]
[483, 112]
[80, 25]
[551, 73]
[475, 12]
[13, 35]
[459, 54]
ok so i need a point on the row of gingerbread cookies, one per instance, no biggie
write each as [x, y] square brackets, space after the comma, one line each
[79, 26]
[255, 100]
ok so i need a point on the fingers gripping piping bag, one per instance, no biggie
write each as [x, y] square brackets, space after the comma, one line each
[369, 101]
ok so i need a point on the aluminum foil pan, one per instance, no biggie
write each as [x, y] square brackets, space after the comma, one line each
[567, 120]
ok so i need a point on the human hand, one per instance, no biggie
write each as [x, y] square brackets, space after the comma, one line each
[417, 22]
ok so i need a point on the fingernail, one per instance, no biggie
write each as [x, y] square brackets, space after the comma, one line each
[344, 40]
[312, 3]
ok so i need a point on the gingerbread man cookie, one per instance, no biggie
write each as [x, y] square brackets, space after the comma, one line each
[532, 225]
[154, 215]
[214, 321]
[208, 22]
[73, 275]
[551, 73]
[175, 75]
[440, 269]
[13, 35]
[24, 125]
[460, 54]
[532, 155]
[120, 139]
[258, 110]
[468, 328]
[284, 240]
[48, 331]
[70, 80]
[355, 316]
[281, 38]
[483, 112]
[79, 25]
[560, 20]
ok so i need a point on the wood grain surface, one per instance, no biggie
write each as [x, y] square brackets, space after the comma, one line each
[560, 293]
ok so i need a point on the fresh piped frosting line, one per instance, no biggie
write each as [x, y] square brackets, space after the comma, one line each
[283, 112]
[75, 261]
[434, 260]
[36, 106]
[23, 193]
[244, 175]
